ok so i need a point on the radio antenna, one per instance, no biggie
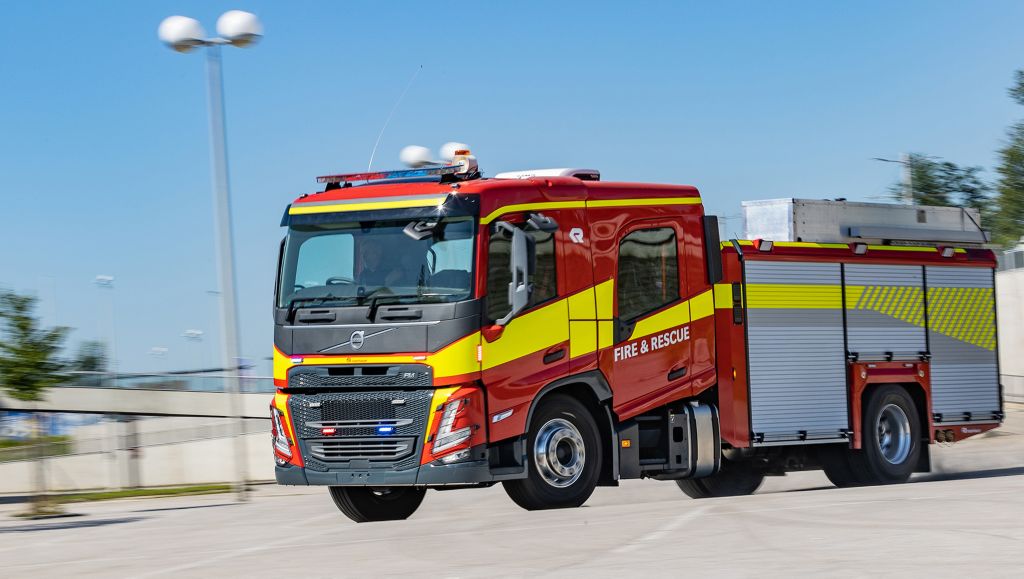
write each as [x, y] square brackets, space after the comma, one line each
[369, 165]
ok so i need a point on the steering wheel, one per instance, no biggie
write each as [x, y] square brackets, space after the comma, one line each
[339, 280]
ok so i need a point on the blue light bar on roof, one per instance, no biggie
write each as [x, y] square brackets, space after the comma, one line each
[400, 174]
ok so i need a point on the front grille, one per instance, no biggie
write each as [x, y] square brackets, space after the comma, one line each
[375, 449]
[369, 408]
[401, 376]
[356, 416]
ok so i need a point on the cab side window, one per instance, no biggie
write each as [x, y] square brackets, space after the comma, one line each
[542, 277]
[648, 274]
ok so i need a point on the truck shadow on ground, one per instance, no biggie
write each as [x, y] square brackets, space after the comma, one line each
[183, 508]
[68, 525]
[990, 473]
[929, 477]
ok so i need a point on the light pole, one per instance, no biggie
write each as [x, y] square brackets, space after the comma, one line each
[106, 282]
[196, 336]
[908, 175]
[236, 28]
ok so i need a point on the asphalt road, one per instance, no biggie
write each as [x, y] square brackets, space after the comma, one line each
[965, 519]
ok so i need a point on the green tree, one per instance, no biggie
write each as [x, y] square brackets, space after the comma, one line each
[938, 182]
[29, 364]
[29, 354]
[1009, 221]
[91, 357]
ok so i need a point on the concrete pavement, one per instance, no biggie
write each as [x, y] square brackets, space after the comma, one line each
[966, 518]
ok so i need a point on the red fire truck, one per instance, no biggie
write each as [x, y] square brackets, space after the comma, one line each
[554, 332]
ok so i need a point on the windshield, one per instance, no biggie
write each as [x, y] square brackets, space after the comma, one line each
[350, 263]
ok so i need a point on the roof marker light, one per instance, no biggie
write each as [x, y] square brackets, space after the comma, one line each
[763, 244]
[860, 248]
[948, 251]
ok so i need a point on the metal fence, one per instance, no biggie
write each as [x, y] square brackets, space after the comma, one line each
[53, 446]
[1012, 259]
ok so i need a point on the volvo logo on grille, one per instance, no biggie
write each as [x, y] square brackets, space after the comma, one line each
[356, 340]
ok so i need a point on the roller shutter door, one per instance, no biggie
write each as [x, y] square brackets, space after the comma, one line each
[797, 369]
[962, 336]
[885, 311]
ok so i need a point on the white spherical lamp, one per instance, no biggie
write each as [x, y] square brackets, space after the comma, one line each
[181, 33]
[239, 28]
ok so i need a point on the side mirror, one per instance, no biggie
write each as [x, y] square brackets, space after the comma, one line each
[519, 265]
[541, 222]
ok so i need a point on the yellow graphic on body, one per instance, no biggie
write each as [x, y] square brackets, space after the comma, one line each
[793, 296]
[962, 313]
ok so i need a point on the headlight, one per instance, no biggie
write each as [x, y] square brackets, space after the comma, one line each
[447, 435]
[282, 445]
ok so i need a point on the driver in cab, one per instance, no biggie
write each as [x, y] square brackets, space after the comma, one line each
[375, 272]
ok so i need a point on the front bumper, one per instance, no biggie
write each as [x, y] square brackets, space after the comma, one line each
[460, 473]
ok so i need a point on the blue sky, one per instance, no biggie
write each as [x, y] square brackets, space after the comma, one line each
[104, 160]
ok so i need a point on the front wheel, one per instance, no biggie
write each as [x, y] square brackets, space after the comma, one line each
[735, 478]
[564, 459]
[368, 504]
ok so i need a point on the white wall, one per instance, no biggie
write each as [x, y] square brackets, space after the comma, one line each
[187, 463]
[1010, 311]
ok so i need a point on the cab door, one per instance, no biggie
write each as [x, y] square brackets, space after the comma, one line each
[649, 357]
[532, 349]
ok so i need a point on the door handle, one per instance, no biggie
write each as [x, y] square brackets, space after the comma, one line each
[552, 356]
[677, 373]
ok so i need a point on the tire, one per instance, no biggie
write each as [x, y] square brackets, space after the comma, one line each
[835, 461]
[732, 480]
[564, 454]
[890, 439]
[368, 504]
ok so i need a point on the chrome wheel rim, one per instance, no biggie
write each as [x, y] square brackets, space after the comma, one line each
[559, 453]
[893, 434]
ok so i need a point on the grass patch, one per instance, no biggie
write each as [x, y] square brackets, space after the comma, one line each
[137, 493]
[28, 449]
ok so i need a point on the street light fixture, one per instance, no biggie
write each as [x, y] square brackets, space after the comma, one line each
[183, 34]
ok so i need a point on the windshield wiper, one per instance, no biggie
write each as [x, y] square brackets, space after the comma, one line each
[294, 304]
[377, 301]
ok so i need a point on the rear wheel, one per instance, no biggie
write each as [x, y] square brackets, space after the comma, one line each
[891, 437]
[367, 504]
[564, 457]
[735, 478]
